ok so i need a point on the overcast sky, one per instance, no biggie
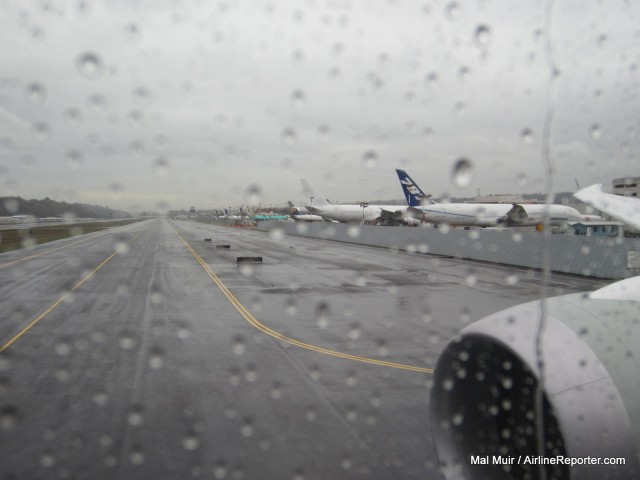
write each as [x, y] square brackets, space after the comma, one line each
[150, 104]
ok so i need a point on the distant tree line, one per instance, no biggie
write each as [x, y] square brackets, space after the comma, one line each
[50, 208]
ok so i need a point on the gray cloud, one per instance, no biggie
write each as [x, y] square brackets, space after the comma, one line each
[341, 93]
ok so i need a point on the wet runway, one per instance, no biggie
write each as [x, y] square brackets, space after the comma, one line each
[145, 352]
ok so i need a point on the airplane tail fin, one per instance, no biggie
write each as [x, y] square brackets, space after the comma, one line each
[577, 184]
[317, 200]
[293, 210]
[412, 192]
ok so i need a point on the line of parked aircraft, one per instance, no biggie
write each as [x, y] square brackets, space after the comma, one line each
[421, 208]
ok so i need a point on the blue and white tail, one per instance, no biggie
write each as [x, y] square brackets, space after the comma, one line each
[412, 192]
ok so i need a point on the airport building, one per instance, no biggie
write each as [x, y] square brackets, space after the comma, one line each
[626, 186]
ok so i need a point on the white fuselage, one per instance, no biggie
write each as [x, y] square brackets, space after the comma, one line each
[306, 217]
[490, 214]
[355, 213]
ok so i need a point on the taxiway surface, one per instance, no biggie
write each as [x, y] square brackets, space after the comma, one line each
[145, 352]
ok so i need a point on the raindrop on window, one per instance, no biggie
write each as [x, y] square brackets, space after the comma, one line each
[323, 312]
[431, 79]
[160, 167]
[63, 348]
[132, 32]
[141, 96]
[335, 74]
[457, 419]
[354, 331]
[89, 65]
[191, 443]
[252, 374]
[597, 95]
[253, 194]
[247, 429]
[526, 136]
[601, 40]
[136, 457]
[9, 417]
[298, 99]
[135, 417]
[36, 34]
[452, 11]
[482, 35]
[134, 117]
[239, 346]
[35, 93]
[101, 399]
[156, 358]
[97, 103]
[297, 57]
[512, 279]
[290, 306]
[126, 341]
[73, 116]
[463, 73]
[354, 231]
[595, 131]
[42, 131]
[74, 160]
[369, 160]
[462, 173]
[311, 414]
[276, 391]
[288, 137]
[323, 132]
[136, 148]
[47, 460]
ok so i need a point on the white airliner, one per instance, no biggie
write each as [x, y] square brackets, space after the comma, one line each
[586, 335]
[301, 214]
[356, 213]
[484, 214]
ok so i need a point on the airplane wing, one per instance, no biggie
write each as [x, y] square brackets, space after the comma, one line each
[389, 217]
[518, 216]
[625, 209]
[417, 213]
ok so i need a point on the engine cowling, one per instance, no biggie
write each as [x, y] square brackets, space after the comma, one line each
[489, 398]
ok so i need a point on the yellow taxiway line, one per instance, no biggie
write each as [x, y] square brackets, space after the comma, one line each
[53, 306]
[242, 310]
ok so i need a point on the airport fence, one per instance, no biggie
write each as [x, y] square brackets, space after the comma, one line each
[609, 258]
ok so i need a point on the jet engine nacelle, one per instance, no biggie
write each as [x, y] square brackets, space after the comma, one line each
[413, 222]
[495, 416]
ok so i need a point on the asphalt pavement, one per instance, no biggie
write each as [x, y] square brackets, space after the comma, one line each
[145, 351]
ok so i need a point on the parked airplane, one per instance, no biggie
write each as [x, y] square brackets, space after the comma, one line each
[360, 213]
[301, 214]
[483, 214]
[573, 384]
